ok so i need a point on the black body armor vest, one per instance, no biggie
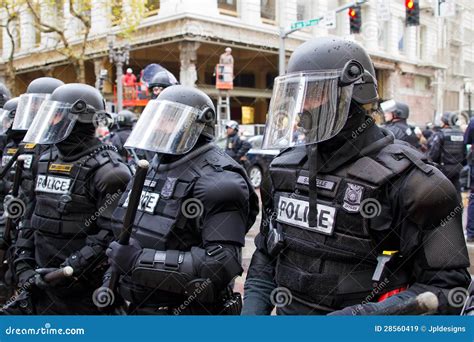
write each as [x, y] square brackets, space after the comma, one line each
[169, 217]
[65, 203]
[333, 264]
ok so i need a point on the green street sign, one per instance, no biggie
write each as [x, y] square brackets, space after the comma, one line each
[304, 23]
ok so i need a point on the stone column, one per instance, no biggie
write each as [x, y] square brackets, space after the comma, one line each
[371, 26]
[27, 29]
[188, 58]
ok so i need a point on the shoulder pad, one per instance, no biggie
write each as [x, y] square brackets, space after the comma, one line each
[391, 161]
[292, 156]
[49, 155]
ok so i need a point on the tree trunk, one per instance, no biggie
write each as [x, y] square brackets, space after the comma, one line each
[80, 69]
[11, 75]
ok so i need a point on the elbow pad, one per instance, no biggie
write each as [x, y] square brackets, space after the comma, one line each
[208, 271]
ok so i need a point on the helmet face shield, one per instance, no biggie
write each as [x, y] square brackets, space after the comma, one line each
[6, 121]
[53, 123]
[166, 127]
[306, 108]
[28, 106]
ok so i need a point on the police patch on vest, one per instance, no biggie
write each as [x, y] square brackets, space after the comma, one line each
[353, 197]
[6, 159]
[168, 189]
[457, 138]
[148, 201]
[28, 159]
[320, 183]
[295, 212]
[61, 167]
[53, 185]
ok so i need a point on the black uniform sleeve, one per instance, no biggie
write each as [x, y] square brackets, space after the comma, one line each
[109, 182]
[245, 146]
[260, 282]
[434, 152]
[431, 233]
[225, 199]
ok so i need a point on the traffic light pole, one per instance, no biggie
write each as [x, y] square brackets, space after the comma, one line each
[284, 33]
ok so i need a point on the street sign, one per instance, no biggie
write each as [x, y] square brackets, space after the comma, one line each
[304, 23]
[383, 10]
[445, 8]
[329, 20]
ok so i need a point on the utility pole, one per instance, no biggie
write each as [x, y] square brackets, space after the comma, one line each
[283, 34]
[119, 55]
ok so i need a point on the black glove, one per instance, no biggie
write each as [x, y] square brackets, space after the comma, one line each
[122, 258]
[26, 276]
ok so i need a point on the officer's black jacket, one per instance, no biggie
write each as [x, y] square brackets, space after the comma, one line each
[402, 131]
[236, 147]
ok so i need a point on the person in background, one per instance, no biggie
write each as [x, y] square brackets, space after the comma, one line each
[469, 140]
[129, 80]
[448, 150]
[235, 147]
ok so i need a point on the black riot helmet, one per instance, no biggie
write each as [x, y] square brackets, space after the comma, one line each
[7, 114]
[5, 94]
[37, 92]
[43, 85]
[173, 122]
[69, 104]
[126, 118]
[325, 75]
[161, 80]
[399, 110]
[449, 119]
[332, 53]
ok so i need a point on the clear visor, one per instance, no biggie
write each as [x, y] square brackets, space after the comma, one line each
[306, 108]
[53, 123]
[28, 106]
[388, 106]
[166, 127]
[5, 121]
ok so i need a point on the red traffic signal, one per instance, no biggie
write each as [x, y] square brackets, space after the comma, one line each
[412, 13]
[355, 18]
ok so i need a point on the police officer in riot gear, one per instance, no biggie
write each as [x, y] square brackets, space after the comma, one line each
[396, 114]
[160, 81]
[124, 122]
[196, 207]
[350, 217]
[7, 114]
[5, 95]
[77, 186]
[448, 150]
[235, 147]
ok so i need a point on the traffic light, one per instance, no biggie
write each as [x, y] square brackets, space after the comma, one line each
[412, 10]
[355, 17]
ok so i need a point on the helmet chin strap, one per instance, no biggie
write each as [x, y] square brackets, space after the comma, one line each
[312, 152]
